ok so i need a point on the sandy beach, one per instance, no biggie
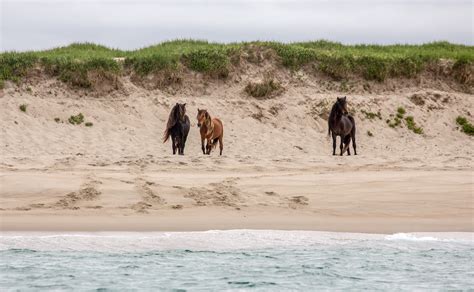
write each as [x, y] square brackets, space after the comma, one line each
[276, 171]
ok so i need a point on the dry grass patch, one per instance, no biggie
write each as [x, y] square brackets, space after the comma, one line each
[265, 89]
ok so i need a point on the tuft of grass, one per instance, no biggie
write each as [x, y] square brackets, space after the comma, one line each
[411, 125]
[371, 115]
[23, 107]
[88, 124]
[264, 89]
[57, 120]
[409, 121]
[466, 126]
[400, 112]
[369, 133]
[2, 84]
[77, 119]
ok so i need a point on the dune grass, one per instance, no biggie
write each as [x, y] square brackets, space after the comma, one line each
[73, 63]
[466, 126]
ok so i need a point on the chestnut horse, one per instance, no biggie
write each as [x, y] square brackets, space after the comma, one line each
[340, 123]
[178, 128]
[210, 129]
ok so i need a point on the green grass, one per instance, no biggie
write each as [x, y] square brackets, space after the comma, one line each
[411, 125]
[23, 107]
[77, 119]
[73, 64]
[466, 126]
[371, 115]
[409, 121]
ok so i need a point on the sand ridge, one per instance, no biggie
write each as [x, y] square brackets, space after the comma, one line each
[276, 171]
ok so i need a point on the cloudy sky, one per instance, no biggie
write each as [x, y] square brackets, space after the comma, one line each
[128, 24]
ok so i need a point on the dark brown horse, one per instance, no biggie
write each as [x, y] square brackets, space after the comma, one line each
[211, 129]
[178, 128]
[340, 123]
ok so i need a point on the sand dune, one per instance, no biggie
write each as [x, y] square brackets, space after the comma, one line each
[276, 171]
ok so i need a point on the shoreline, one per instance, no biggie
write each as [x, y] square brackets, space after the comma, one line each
[173, 222]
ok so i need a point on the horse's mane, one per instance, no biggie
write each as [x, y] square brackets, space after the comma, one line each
[332, 116]
[333, 113]
[171, 122]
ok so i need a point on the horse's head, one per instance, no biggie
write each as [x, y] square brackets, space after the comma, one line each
[202, 116]
[181, 111]
[342, 105]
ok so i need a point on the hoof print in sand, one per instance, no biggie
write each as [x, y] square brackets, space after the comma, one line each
[148, 197]
[223, 194]
[88, 192]
[298, 202]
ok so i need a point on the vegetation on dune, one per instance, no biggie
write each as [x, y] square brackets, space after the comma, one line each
[409, 121]
[77, 119]
[466, 126]
[411, 125]
[371, 115]
[265, 89]
[74, 63]
[23, 107]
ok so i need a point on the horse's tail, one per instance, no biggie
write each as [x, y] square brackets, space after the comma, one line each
[351, 118]
[166, 135]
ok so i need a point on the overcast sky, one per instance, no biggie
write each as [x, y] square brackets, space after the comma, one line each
[128, 24]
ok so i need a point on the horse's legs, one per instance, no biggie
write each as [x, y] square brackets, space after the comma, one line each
[173, 144]
[208, 146]
[347, 142]
[341, 145]
[221, 145]
[354, 142]
[181, 146]
[202, 145]
[334, 143]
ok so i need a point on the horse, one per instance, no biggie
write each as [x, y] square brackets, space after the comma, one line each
[340, 123]
[178, 128]
[211, 129]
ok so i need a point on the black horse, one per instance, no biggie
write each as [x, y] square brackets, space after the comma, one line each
[178, 128]
[340, 123]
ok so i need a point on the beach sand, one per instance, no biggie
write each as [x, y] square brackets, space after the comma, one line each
[276, 171]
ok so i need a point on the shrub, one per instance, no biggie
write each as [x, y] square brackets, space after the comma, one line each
[77, 119]
[369, 133]
[23, 107]
[466, 126]
[89, 124]
[411, 125]
[57, 120]
[264, 89]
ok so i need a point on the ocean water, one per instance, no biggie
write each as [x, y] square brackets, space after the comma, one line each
[262, 260]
